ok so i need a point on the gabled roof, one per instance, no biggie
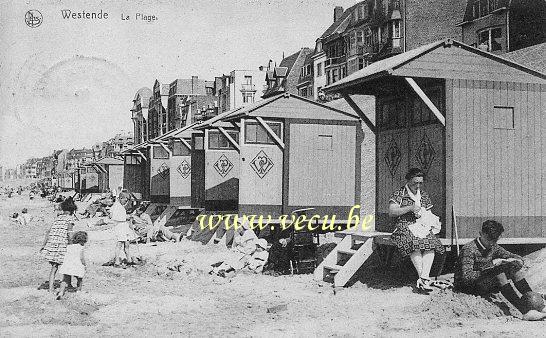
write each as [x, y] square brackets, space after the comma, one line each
[248, 110]
[280, 71]
[533, 57]
[109, 161]
[390, 65]
[289, 61]
[340, 25]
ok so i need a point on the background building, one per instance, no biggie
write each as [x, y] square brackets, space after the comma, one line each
[500, 26]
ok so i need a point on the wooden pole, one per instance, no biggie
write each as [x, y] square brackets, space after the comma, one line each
[455, 229]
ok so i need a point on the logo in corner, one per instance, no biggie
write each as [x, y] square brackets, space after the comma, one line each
[33, 18]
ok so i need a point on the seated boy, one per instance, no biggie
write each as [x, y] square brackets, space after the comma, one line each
[484, 268]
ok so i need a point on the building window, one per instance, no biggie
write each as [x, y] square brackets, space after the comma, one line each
[160, 153]
[490, 39]
[309, 68]
[359, 37]
[328, 79]
[368, 37]
[218, 141]
[319, 69]
[248, 98]
[324, 142]
[248, 80]
[335, 74]
[396, 29]
[303, 92]
[180, 149]
[310, 90]
[255, 133]
[361, 63]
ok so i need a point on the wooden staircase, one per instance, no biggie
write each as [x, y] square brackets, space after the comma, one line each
[347, 257]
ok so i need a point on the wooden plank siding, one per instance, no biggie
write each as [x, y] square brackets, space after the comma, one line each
[498, 173]
[320, 177]
[458, 63]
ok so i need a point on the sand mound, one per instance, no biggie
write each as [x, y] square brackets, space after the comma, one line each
[451, 305]
[536, 274]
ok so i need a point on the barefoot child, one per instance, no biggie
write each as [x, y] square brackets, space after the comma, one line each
[56, 239]
[74, 262]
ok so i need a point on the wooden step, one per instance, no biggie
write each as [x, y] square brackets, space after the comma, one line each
[346, 251]
[333, 268]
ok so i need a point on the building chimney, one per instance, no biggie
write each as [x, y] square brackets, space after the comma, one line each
[338, 12]
[193, 83]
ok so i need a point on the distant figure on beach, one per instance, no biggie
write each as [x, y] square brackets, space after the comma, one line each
[24, 218]
[56, 239]
[74, 263]
[406, 206]
[484, 268]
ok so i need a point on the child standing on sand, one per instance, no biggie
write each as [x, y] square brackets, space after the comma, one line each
[56, 239]
[74, 262]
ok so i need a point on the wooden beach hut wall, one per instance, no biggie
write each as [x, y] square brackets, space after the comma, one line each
[110, 173]
[474, 122]
[180, 164]
[91, 174]
[136, 177]
[160, 155]
[296, 153]
[220, 164]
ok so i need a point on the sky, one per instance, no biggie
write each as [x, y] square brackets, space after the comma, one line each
[69, 83]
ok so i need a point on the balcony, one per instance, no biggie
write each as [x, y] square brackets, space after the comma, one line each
[335, 61]
[248, 87]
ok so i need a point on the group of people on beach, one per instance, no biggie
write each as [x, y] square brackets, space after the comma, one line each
[483, 267]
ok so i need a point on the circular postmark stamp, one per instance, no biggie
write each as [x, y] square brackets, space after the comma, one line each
[33, 18]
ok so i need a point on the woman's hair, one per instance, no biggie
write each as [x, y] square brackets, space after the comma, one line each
[492, 229]
[142, 207]
[414, 172]
[68, 205]
[15, 215]
[80, 237]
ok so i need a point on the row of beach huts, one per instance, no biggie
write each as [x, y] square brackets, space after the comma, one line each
[472, 120]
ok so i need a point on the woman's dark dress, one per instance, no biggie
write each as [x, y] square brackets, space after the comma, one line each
[402, 236]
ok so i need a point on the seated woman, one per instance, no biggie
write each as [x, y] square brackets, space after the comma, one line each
[405, 207]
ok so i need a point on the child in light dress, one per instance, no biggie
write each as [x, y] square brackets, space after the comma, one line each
[122, 229]
[74, 263]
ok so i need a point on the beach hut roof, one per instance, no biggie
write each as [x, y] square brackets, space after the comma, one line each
[394, 66]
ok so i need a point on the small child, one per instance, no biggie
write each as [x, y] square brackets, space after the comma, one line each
[74, 263]
[56, 239]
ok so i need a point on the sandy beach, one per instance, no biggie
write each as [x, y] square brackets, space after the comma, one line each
[172, 294]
